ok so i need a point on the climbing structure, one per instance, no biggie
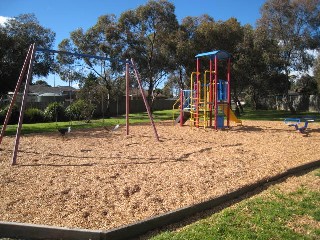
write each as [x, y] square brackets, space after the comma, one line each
[208, 102]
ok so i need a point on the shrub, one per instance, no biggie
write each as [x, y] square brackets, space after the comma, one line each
[80, 110]
[33, 115]
[14, 117]
[73, 111]
[55, 112]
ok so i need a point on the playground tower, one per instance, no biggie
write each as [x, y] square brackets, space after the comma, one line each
[207, 103]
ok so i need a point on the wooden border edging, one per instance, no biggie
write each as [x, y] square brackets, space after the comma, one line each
[34, 231]
[8, 229]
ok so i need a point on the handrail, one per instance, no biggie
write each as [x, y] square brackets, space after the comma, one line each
[173, 108]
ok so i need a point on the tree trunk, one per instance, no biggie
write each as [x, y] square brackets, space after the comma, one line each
[289, 104]
[288, 101]
[150, 97]
[181, 84]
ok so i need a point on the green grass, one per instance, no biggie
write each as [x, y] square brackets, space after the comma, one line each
[95, 123]
[272, 217]
[266, 115]
[272, 115]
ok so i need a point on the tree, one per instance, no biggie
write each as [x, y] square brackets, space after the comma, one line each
[41, 82]
[188, 45]
[91, 92]
[317, 71]
[255, 69]
[203, 34]
[16, 35]
[247, 67]
[293, 26]
[100, 40]
[148, 36]
[306, 85]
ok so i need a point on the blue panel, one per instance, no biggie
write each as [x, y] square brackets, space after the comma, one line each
[187, 99]
[221, 54]
[222, 90]
[220, 121]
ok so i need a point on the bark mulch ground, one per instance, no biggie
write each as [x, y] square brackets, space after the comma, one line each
[98, 179]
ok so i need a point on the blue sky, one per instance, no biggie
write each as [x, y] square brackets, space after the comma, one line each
[64, 16]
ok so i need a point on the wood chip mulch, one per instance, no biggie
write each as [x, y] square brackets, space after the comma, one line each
[99, 179]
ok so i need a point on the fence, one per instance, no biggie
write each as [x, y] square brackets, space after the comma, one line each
[115, 107]
[306, 103]
[136, 105]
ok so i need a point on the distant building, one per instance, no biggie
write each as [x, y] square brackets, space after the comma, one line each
[44, 94]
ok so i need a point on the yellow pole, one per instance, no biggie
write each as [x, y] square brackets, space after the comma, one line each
[205, 93]
[192, 104]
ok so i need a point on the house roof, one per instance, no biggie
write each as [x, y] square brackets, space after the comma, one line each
[45, 90]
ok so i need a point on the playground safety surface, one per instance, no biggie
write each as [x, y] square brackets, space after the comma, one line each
[99, 179]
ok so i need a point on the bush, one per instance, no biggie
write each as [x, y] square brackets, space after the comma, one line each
[14, 118]
[80, 110]
[55, 112]
[33, 115]
[74, 110]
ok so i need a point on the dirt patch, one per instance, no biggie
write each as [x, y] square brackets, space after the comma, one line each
[302, 225]
[100, 179]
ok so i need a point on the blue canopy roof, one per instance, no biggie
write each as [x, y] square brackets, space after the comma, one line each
[221, 54]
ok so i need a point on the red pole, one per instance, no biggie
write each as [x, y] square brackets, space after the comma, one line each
[127, 97]
[216, 93]
[229, 95]
[181, 108]
[145, 100]
[211, 92]
[197, 93]
[23, 104]
[16, 90]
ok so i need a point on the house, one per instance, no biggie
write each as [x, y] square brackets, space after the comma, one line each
[40, 95]
[45, 93]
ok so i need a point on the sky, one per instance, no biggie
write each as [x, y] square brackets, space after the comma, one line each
[65, 16]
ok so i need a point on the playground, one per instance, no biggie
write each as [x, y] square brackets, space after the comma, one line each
[100, 179]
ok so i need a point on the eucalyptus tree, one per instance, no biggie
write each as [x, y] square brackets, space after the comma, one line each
[185, 52]
[188, 44]
[256, 67]
[99, 40]
[204, 34]
[316, 72]
[16, 35]
[148, 34]
[293, 26]
[307, 85]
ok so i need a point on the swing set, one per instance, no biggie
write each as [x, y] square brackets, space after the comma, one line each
[26, 73]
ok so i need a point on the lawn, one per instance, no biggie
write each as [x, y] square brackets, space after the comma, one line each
[289, 210]
[95, 123]
[272, 115]
[266, 115]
